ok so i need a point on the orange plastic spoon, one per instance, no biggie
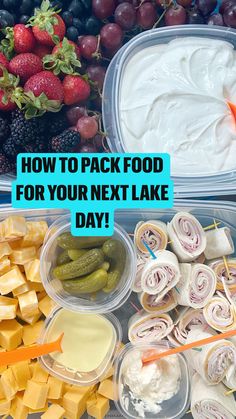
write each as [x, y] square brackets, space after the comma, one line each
[31, 352]
[153, 355]
[233, 109]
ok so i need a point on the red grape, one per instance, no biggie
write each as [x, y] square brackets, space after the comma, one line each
[74, 113]
[111, 36]
[87, 127]
[103, 9]
[225, 4]
[195, 17]
[125, 16]
[87, 148]
[184, 3]
[146, 15]
[175, 15]
[216, 19]
[206, 6]
[89, 47]
[230, 16]
[97, 74]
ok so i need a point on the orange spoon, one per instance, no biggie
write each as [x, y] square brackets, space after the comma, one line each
[233, 109]
[31, 352]
[153, 355]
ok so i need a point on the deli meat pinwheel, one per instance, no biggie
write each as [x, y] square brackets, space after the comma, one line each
[152, 303]
[220, 314]
[225, 273]
[153, 233]
[145, 327]
[187, 319]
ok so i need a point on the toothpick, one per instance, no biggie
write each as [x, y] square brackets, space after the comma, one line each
[131, 234]
[171, 241]
[226, 267]
[149, 249]
[176, 310]
[215, 225]
[189, 411]
[135, 307]
[230, 392]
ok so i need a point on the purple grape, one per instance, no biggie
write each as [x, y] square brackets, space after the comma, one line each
[103, 9]
[146, 15]
[225, 4]
[230, 16]
[175, 15]
[216, 19]
[195, 17]
[111, 36]
[206, 6]
[96, 73]
[125, 16]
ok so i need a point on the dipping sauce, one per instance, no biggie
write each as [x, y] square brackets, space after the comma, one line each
[86, 342]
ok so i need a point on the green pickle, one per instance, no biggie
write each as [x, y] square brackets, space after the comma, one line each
[76, 253]
[67, 241]
[91, 283]
[115, 251]
[63, 258]
[86, 264]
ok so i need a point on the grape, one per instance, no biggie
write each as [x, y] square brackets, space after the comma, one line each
[73, 114]
[206, 6]
[146, 15]
[89, 47]
[225, 4]
[87, 148]
[195, 17]
[216, 19]
[111, 36]
[103, 9]
[87, 127]
[175, 15]
[97, 74]
[230, 16]
[184, 3]
[125, 16]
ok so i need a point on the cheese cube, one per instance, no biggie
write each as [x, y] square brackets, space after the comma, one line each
[21, 373]
[36, 286]
[41, 409]
[35, 395]
[10, 334]
[19, 411]
[36, 231]
[54, 412]
[21, 289]
[99, 409]
[22, 256]
[16, 244]
[55, 388]
[74, 403]
[32, 270]
[41, 295]
[106, 389]
[5, 406]
[7, 308]
[11, 280]
[31, 333]
[9, 384]
[28, 303]
[32, 319]
[5, 265]
[39, 374]
[46, 305]
[32, 367]
[14, 227]
[5, 249]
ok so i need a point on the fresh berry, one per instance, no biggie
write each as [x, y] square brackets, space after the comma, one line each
[10, 149]
[76, 90]
[7, 104]
[24, 40]
[146, 15]
[89, 47]
[55, 122]
[4, 129]
[65, 142]
[25, 65]
[87, 126]
[47, 83]
[3, 62]
[26, 7]
[103, 9]
[67, 17]
[76, 8]
[97, 74]
[224, 4]
[58, 49]
[5, 164]
[42, 50]
[74, 113]
[24, 19]
[79, 25]
[6, 19]
[195, 17]
[72, 33]
[26, 131]
[111, 36]
[230, 16]
[64, 58]
[93, 25]
[206, 6]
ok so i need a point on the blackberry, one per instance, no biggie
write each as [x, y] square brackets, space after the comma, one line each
[36, 147]
[26, 131]
[5, 164]
[4, 129]
[10, 149]
[55, 123]
[64, 142]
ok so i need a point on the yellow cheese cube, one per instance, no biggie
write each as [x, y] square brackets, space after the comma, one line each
[5, 265]
[16, 244]
[28, 303]
[7, 308]
[21, 373]
[36, 286]
[106, 389]
[31, 333]
[39, 374]
[46, 305]
[22, 256]
[41, 295]
[11, 280]
[32, 367]
[29, 319]
[36, 231]
[10, 334]
[42, 409]
[74, 403]
[14, 227]
[5, 406]
[99, 409]
[32, 270]
[55, 388]
[18, 410]
[21, 289]
[35, 395]
[5, 249]
[9, 384]
[54, 412]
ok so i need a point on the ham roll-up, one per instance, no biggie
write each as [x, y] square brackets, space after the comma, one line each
[153, 233]
[218, 243]
[211, 361]
[151, 303]
[186, 320]
[160, 275]
[230, 378]
[225, 273]
[145, 327]
[197, 285]
[210, 402]
[141, 262]
[220, 314]
[188, 239]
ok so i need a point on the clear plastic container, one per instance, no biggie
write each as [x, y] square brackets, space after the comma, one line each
[77, 377]
[105, 302]
[174, 408]
[222, 183]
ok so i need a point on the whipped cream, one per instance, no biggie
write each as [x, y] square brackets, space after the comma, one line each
[173, 99]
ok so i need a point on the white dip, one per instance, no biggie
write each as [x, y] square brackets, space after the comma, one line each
[173, 100]
[149, 385]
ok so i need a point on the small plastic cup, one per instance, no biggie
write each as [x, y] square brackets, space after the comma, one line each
[174, 408]
[104, 302]
[76, 377]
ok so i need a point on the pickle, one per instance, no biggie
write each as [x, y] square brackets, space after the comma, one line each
[115, 251]
[67, 241]
[63, 258]
[105, 265]
[86, 264]
[75, 254]
[87, 284]
[112, 280]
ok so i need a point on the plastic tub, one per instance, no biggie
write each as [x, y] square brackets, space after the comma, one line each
[77, 377]
[175, 407]
[105, 302]
[216, 184]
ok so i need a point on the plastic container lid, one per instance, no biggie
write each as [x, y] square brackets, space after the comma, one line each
[222, 183]
[105, 302]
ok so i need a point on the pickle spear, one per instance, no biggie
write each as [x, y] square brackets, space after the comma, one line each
[88, 284]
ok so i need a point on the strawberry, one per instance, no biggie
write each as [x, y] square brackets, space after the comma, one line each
[25, 65]
[59, 48]
[47, 83]
[6, 104]
[42, 50]
[48, 27]
[11, 94]
[24, 40]
[76, 90]
[63, 59]
[3, 62]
